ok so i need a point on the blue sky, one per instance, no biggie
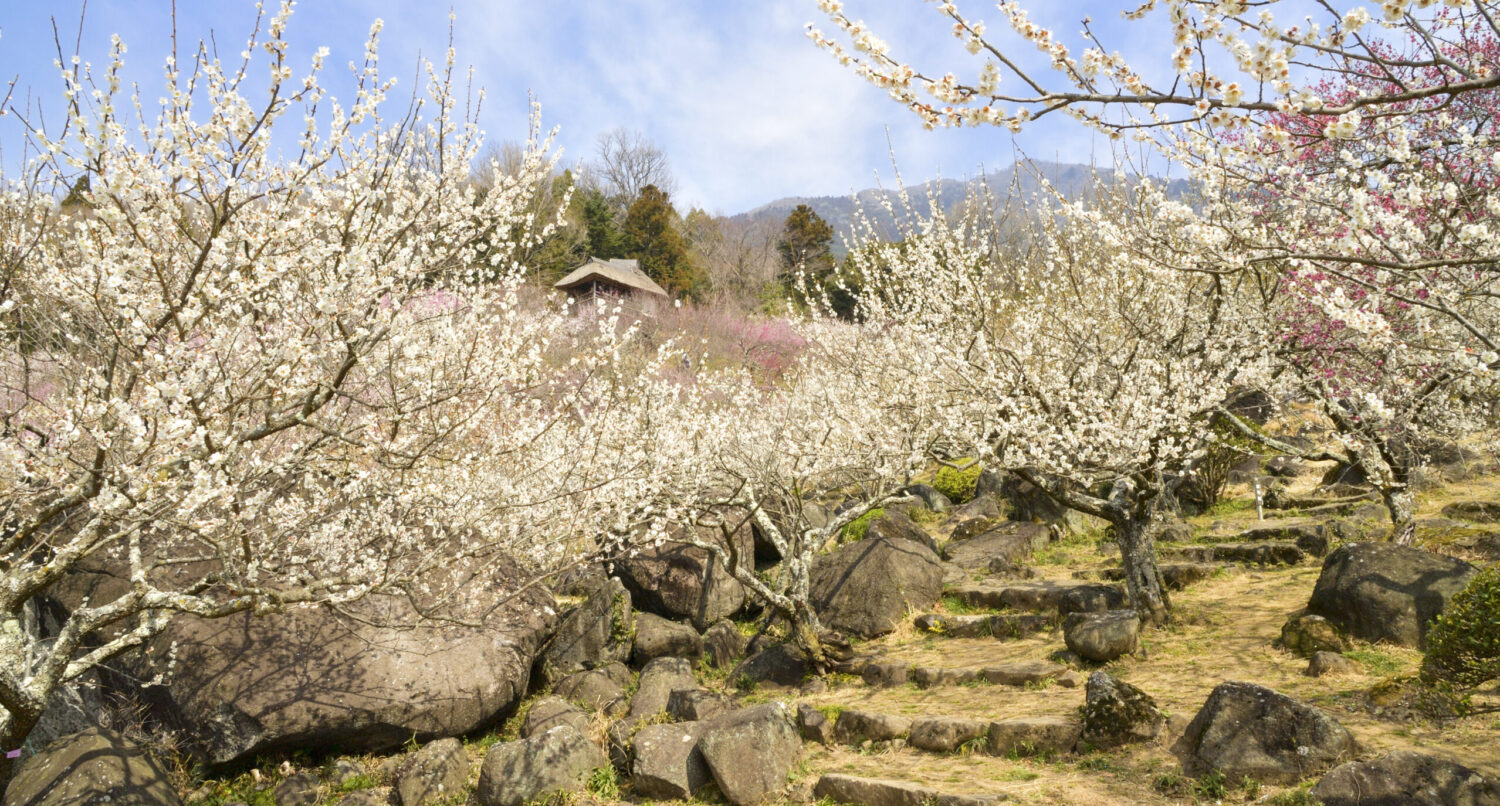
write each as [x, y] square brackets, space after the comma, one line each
[747, 109]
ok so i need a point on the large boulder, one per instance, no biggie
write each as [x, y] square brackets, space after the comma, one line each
[1405, 778]
[543, 766]
[1102, 637]
[894, 525]
[94, 766]
[596, 633]
[656, 637]
[658, 680]
[722, 643]
[365, 677]
[601, 689]
[684, 582]
[1249, 731]
[1116, 713]
[1010, 542]
[751, 751]
[866, 588]
[667, 763]
[1386, 592]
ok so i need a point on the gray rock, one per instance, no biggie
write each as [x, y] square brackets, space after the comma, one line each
[297, 789]
[1405, 778]
[841, 788]
[895, 525]
[998, 625]
[593, 634]
[344, 770]
[1249, 731]
[596, 689]
[656, 637]
[815, 725]
[777, 664]
[364, 679]
[1476, 511]
[436, 773]
[684, 582]
[886, 674]
[866, 588]
[751, 751]
[934, 676]
[1116, 713]
[658, 680]
[92, 767]
[1026, 673]
[981, 507]
[1305, 634]
[1102, 637]
[971, 527]
[548, 764]
[1010, 542]
[1309, 536]
[697, 705]
[944, 734]
[1386, 592]
[858, 727]
[549, 712]
[931, 498]
[667, 763]
[1331, 663]
[1028, 736]
[723, 643]
[378, 796]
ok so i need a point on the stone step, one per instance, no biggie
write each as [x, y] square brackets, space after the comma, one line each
[892, 674]
[1175, 576]
[1042, 596]
[841, 788]
[1044, 735]
[999, 625]
[1266, 553]
[1310, 536]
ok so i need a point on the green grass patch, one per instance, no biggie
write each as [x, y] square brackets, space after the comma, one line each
[1380, 664]
[957, 485]
[857, 528]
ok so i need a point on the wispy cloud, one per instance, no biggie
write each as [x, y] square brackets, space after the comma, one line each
[746, 108]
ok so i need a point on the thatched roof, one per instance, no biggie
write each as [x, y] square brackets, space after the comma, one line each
[620, 272]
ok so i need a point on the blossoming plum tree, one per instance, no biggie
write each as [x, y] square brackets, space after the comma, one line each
[723, 451]
[1349, 162]
[242, 377]
[1073, 363]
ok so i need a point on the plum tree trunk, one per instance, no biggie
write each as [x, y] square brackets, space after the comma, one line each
[1401, 502]
[1142, 576]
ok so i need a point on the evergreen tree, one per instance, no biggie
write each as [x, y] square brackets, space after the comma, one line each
[806, 243]
[653, 238]
[603, 238]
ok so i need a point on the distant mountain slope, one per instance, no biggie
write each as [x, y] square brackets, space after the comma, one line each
[1073, 180]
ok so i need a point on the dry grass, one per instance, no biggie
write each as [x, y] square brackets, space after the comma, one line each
[1225, 630]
